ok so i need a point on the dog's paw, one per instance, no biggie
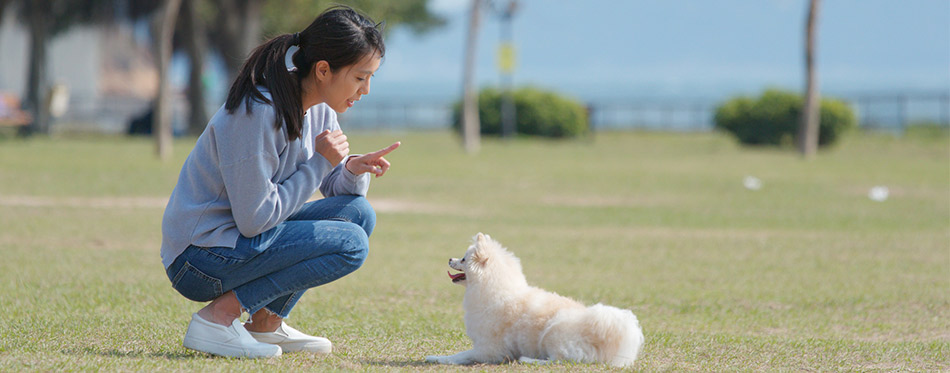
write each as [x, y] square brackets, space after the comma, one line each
[528, 360]
[461, 358]
[451, 360]
[434, 359]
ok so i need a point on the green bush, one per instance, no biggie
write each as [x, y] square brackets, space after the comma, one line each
[539, 113]
[773, 118]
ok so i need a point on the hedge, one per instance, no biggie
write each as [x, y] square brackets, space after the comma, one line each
[773, 118]
[538, 112]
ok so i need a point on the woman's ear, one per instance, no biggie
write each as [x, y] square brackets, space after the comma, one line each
[321, 71]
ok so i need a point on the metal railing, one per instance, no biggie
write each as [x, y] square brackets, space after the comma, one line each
[897, 111]
[887, 112]
[892, 112]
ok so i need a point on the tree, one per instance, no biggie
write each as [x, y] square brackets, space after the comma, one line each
[237, 26]
[193, 35]
[46, 19]
[411, 13]
[235, 30]
[234, 27]
[36, 14]
[470, 122]
[163, 29]
[808, 128]
[3, 6]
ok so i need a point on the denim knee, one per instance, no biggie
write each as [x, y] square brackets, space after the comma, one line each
[366, 213]
[356, 249]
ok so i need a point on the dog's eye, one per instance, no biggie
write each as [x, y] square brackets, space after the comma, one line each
[463, 260]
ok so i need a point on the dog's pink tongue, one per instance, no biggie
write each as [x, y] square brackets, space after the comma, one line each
[455, 276]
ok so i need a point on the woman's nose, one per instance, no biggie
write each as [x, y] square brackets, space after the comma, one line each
[364, 90]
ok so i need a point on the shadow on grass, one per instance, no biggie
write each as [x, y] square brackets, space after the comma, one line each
[397, 363]
[136, 354]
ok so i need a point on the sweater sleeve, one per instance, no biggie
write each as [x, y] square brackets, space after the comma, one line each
[249, 159]
[340, 181]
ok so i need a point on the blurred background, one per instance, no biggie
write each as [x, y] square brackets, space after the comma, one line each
[632, 64]
[734, 257]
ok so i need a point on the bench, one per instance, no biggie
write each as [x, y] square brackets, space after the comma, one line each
[10, 113]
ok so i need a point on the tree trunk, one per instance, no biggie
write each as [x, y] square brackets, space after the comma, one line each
[165, 27]
[238, 31]
[251, 26]
[3, 7]
[470, 120]
[37, 83]
[808, 128]
[193, 31]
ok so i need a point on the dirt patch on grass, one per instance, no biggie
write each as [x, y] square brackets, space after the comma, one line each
[381, 205]
[83, 202]
[605, 201]
[403, 206]
[415, 207]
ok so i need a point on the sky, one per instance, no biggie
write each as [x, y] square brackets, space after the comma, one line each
[617, 49]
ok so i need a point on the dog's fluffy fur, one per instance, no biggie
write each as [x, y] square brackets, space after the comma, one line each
[509, 320]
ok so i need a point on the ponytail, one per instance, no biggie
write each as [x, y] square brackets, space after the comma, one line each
[340, 36]
[266, 67]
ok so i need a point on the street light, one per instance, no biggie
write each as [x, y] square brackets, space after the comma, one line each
[506, 65]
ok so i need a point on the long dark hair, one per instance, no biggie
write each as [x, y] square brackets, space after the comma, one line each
[340, 35]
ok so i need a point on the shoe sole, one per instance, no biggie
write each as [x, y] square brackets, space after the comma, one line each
[216, 348]
[316, 348]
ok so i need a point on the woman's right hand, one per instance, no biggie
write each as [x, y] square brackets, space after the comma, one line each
[332, 146]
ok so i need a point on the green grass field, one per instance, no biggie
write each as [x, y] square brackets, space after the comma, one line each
[807, 273]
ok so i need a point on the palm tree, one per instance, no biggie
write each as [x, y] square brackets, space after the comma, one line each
[808, 128]
[164, 27]
[470, 121]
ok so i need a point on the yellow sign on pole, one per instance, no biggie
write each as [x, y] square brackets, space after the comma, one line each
[506, 57]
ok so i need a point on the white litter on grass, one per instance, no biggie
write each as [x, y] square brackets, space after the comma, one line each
[752, 183]
[879, 193]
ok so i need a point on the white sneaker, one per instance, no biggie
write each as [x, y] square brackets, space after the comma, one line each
[230, 341]
[292, 340]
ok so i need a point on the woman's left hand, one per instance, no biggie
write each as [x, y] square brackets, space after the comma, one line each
[371, 162]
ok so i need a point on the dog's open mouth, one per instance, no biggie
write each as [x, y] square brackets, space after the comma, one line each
[456, 277]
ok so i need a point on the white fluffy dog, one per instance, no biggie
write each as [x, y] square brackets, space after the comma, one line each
[509, 320]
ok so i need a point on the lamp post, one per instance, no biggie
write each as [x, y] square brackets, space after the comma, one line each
[506, 67]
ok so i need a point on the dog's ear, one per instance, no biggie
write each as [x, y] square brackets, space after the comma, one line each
[482, 244]
[481, 239]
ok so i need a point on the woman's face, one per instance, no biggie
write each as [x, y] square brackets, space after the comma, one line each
[348, 84]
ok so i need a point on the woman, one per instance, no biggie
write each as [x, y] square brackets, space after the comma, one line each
[237, 230]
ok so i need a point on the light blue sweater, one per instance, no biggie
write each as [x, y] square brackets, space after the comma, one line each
[243, 178]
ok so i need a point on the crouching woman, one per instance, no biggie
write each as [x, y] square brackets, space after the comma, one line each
[238, 230]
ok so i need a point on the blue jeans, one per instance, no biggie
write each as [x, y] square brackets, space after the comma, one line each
[325, 240]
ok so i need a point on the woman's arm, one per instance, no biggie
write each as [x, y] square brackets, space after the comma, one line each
[340, 181]
[249, 162]
[352, 175]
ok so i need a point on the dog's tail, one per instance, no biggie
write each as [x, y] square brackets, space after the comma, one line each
[598, 333]
[618, 333]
